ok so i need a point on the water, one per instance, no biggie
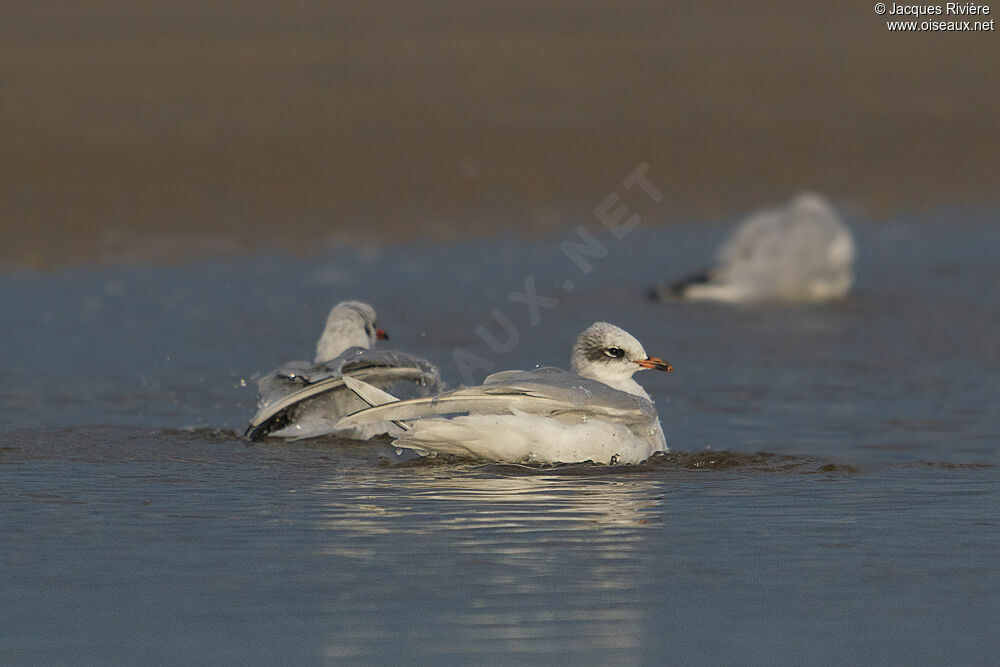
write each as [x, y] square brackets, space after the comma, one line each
[138, 527]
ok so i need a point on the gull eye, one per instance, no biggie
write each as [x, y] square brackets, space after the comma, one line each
[615, 352]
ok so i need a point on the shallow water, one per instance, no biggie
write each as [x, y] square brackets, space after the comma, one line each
[139, 527]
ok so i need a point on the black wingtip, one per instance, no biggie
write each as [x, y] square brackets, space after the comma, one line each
[658, 293]
[273, 423]
[679, 288]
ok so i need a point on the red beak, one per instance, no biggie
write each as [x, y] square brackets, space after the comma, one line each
[656, 364]
[380, 334]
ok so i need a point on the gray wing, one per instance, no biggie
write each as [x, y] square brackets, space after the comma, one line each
[546, 392]
[303, 373]
[296, 382]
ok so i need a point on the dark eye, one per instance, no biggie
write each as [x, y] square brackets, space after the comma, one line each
[615, 352]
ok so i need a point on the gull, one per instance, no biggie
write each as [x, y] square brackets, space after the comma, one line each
[597, 412]
[303, 400]
[800, 252]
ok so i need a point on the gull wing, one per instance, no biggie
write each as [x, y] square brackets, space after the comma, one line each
[545, 392]
[324, 378]
[356, 358]
[372, 396]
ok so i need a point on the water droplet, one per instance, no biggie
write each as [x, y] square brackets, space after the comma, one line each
[579, 396]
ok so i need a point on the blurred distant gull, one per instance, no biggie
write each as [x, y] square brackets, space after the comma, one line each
[800, 252]
[303, 400]
[596, 413]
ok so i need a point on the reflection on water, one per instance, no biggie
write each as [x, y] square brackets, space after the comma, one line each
[518, 535]
[513, 502]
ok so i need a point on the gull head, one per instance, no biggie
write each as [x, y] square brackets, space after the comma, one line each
[611, 355]
[349, 324]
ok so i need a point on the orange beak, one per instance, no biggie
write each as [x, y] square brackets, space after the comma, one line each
[656, 364]
[380, 334]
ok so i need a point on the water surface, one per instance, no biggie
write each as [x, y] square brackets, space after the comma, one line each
[832, 495]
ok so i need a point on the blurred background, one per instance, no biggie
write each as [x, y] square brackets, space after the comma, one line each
[163, 129]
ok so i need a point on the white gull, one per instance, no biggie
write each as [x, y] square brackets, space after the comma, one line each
[801, 252]
[598, 412]
[304, 400]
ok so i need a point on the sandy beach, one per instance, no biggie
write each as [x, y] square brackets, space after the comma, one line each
[165, 129]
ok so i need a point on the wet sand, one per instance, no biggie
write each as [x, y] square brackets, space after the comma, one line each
[166, 129]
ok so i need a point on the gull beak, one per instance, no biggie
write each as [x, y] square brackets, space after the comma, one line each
[656, 364]
[380, 334]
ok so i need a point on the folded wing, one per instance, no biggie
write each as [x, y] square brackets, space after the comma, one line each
[547, 392]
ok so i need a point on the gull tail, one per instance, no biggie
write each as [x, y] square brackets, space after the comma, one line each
[679, 288]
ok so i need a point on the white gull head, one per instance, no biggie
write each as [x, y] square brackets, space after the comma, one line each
[349, 324]
[611, 355]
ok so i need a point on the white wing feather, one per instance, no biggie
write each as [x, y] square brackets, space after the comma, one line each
[545, 392]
